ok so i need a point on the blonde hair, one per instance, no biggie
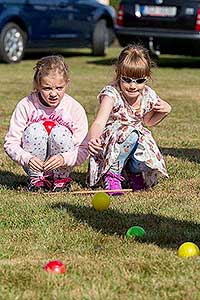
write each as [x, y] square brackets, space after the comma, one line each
[48, 64]
[134, 61]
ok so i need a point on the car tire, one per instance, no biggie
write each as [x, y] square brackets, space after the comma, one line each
[100, 39]
[12, 43]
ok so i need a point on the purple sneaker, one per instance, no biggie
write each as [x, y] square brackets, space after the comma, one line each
[136, 181]
[112, 182]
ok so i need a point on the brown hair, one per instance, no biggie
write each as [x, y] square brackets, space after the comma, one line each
[48, 64]
[134, 61]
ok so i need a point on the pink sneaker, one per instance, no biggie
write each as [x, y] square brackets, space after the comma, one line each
[41, 183]
[113, 181]
[136, 181]
[62, 184]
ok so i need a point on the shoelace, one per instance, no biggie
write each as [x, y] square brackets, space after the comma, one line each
[61, 182]
[39, 181]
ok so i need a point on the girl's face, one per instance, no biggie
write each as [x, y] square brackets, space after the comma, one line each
[52, 89]
[132, 87]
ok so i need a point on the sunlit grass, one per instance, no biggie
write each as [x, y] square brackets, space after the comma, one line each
[101, 263]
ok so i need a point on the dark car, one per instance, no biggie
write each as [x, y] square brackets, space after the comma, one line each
[29, 25]
[164, 26]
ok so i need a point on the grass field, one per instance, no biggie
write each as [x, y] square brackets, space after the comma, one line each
[101, 263]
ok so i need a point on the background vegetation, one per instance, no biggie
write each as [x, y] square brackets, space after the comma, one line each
[101, 263]
[114, 3]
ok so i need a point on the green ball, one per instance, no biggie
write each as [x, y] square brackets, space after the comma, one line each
[188, 249]
[135, 231]
[101, 201]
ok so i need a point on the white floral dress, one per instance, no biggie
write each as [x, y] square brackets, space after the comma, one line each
[119, 126]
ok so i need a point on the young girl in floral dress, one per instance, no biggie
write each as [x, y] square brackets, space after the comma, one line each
[119, 143]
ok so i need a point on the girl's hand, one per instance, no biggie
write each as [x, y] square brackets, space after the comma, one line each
[54, 162]
[35, 164]
[94, 146]
[161, 107]
[159, 111]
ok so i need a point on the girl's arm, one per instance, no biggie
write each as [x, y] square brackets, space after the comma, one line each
[79, 154]
[159, 111]
[97, 128]
[13, 139]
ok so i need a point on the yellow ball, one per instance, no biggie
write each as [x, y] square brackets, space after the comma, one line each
[101, 201]
[188, 249]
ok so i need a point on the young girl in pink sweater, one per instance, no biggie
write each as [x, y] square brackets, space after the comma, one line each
[48, 128]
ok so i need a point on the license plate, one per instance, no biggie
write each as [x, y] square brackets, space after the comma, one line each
[158, 11]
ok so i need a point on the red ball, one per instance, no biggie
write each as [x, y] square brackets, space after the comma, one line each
[55, 266]
[49, 125]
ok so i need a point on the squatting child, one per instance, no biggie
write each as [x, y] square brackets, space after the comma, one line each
[120, 145]
[48, 128]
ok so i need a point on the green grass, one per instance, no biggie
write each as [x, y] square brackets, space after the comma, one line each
[101, 263]
[114, 3]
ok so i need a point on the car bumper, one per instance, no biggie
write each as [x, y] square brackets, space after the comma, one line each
[157, 33]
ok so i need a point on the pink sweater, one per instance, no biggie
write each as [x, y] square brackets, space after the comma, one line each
[68, 113]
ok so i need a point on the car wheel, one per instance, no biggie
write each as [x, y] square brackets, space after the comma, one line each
[100, 39]
[12, 43]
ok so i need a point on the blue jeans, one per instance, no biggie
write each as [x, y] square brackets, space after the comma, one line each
[126, 156]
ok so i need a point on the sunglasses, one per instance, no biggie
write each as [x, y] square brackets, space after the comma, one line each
[130, 80]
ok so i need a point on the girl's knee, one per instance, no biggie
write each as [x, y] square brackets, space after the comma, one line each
[134, 136]
[35, 139]
[134, 166]
[61, 135]
[35, 129]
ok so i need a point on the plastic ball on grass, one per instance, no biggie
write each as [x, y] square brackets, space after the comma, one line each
[101, 201]
[135, 231]
[55, 266]
[188, 249]
[49, 125]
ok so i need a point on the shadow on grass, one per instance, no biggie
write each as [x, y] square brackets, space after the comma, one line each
[192, 155]
[80, 178]
[16, 181]
[162, 62]
[11, 180]
[65, 54]
[179, 62]
[72, 53]
[164, 231]
[104, 62]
